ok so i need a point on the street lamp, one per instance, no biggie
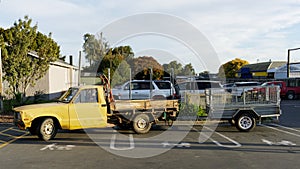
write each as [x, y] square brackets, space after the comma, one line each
[288, 61]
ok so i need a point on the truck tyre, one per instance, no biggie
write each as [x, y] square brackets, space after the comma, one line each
[33, 130]
[290, 95]
[245, 122]
[141, 124]
[47, 129]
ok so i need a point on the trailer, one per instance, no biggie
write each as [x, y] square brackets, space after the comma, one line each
[246, 110]
[140, 115]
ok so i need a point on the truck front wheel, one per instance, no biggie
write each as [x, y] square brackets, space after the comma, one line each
[47, 129]
[141, 124]
[245, 122]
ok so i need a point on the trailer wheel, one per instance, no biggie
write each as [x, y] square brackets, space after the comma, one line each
[47, 129]
[290, 95]
[245, 122]
[141, 124]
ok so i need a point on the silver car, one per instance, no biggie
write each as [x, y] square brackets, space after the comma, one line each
[144, 89]
[240, 87]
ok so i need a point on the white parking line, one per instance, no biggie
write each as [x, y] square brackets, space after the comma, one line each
[5, 143]
[289, 128]
[236, 144]
[113, 142]
[283, 131]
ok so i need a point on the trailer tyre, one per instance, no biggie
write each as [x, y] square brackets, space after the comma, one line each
[245, 122]
[141, 124]
[47, 129]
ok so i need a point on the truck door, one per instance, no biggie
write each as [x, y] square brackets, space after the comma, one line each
[88, 110]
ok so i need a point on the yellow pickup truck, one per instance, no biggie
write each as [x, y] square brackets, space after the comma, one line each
[91, 107]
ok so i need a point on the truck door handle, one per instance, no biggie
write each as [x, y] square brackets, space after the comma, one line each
[103, 105]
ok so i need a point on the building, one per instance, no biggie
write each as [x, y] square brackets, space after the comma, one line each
[281, 72]
[259, 70]
[57, 79]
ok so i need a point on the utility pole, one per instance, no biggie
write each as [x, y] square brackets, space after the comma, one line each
[79, 69]
[151, 86]
[288, 62]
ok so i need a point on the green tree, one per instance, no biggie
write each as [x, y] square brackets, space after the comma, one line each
[188, 70]
[142, 65]
[177, 67]
[121, 74]
[95, 48]
[204, 74]
[230, 68]
[26, 55]
[114, 57]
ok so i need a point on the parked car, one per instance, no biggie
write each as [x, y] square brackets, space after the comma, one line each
[240, 87]
[142, 89]
[197, 86]
[289, 92]
[228, 87]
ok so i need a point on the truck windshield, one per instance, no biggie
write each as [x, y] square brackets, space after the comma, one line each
[68, 96]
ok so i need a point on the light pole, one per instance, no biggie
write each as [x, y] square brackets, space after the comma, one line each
[288, 62]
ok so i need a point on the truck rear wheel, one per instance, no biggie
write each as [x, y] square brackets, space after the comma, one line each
[245, 122]
[141, 124]
[290, 95]
[47, 129]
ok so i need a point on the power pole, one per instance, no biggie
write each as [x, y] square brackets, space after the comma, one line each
[79, 70]
[288, 62]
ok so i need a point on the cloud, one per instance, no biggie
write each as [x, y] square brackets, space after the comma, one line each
[249, 29]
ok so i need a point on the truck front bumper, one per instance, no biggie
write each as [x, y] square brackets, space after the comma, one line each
[20, 124]
[18, 121]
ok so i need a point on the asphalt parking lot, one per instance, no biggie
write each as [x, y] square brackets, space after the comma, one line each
[269, 145]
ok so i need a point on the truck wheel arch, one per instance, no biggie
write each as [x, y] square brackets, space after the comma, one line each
[47, 129]
[37, 121]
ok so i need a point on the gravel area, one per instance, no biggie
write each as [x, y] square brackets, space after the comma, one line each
[6, 119]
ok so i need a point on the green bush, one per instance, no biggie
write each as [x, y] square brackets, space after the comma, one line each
[192, 110]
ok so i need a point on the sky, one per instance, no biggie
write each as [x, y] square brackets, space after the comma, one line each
[206, 33]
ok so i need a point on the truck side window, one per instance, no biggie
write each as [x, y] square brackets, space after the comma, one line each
[87, 96]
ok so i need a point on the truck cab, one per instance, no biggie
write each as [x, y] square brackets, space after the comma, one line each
[79, 108]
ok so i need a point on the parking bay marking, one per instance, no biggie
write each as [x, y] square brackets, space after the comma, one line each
[277, 125]
[283, 142]
[113, 143]
[236, 144]
[5, 143]
[54, 146]
[166, 144]
[283, 131]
